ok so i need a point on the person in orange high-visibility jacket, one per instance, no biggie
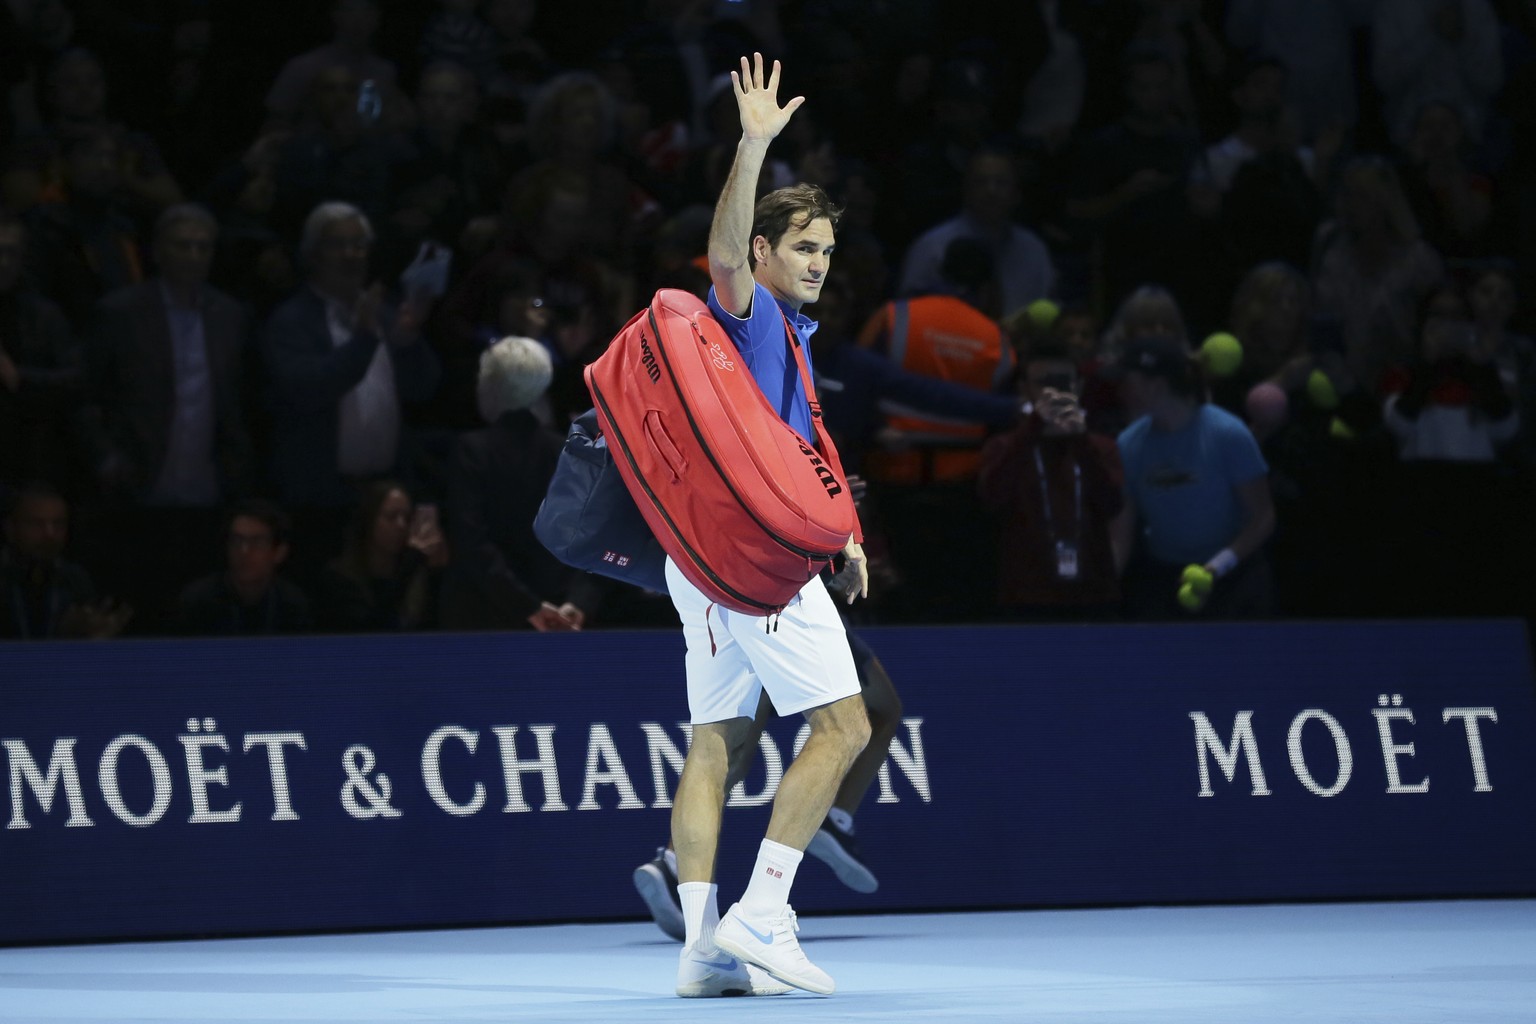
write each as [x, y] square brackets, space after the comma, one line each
[946, 337]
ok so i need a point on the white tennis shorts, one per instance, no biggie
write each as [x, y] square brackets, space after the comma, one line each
[733, 657]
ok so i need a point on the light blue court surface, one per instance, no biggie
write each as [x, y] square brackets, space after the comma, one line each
[1403, 963]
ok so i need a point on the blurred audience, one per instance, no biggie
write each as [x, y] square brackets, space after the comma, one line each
[1321, 180]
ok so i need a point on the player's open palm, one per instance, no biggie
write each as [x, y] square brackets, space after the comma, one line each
[758, 101]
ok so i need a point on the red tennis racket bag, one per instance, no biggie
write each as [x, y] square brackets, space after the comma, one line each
[747, 510]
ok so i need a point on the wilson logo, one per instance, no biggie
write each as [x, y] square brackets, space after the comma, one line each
[823, 471]
[648, 360]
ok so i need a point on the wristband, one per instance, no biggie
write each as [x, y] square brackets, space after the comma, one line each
[1223, 562]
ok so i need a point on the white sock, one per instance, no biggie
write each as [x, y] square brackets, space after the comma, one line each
[701, 913]
[768, 889]
[842, 819]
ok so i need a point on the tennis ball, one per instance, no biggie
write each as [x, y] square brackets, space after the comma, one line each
[1190, 599]
[1341, 430]
[1198, 579]
[1267, 408]
[1042, 313]
[1321, 390]
[1222, 353]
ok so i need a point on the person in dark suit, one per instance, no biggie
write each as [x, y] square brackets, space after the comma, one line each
[164, 424]
[500, 576]
[340, 365]
[168, 427]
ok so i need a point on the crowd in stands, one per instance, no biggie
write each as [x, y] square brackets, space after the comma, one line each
[295, 299]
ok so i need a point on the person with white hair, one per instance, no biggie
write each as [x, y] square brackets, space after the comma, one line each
[500, 576]
[341, 361]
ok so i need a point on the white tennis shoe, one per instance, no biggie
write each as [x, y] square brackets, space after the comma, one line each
[771, 945]
[718, 973]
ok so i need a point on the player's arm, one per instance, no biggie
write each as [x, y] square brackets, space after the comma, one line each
[730, 234]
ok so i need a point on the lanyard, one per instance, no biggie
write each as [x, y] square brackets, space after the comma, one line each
[1045, 498]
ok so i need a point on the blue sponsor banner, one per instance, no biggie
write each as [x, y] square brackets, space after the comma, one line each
[172, 788]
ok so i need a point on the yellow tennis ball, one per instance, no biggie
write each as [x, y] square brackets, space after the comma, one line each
[1198, 578]
[1191, 599]
[1321, 390]
[1043, 313]
[1341, 430]
[1222, 353]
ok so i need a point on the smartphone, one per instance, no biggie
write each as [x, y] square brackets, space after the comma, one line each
[424, 519]
[370, 102]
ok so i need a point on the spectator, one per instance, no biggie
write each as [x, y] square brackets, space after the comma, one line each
[946, 336]
[1197, 493]
[249, 597]
[387, 575]
[1020, 261]
[933, 168]
[1459, 526]
[1451, 198]
[1493, 299]
[340, 364]
[572, 131]
[355, 23]
[339, 150]
[78, 106]
[1053, 489]
[455, 34]
[1271, 310]
[520, 60]
[166, 377]
[1316, 44]
[1436, 49]
[165, 428]
[455, 170]
[41, 376]
[1054, 93]
[1450, 405]
[1371, 268]
[1149, 311]
[84, 245]
[1267, 180]
[47, 596]
[1130, 186]
[500, 576]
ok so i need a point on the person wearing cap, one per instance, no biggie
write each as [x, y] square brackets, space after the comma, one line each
[1197, 500]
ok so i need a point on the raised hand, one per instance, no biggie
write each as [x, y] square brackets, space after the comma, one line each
[758, 103]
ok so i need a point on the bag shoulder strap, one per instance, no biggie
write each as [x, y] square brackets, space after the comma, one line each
[824, 445]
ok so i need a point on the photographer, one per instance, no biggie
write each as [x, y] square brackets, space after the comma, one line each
[1054, 489]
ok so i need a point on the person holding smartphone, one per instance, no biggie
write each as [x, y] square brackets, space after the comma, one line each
[386, 578]
[1053, 489]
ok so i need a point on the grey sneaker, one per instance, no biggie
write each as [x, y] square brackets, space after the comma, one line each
[718, 973]
[771, 945]
[840, 851]
[657, 885]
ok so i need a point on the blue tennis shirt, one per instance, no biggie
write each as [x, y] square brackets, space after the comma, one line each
[759, 338]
